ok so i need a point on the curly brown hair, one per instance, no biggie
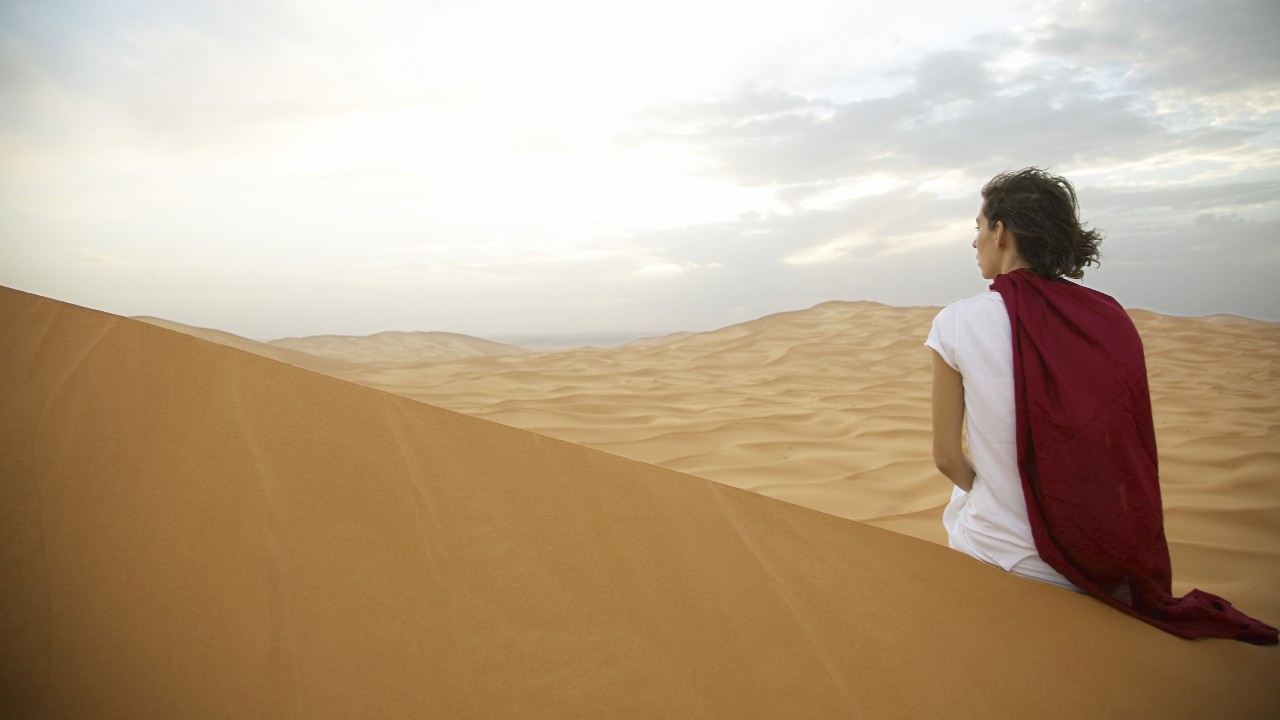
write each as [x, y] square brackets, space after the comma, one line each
[1042, 212]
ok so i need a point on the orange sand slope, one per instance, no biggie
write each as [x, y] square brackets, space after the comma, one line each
[189, 530]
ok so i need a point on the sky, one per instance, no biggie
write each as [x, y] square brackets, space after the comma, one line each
[279, 168]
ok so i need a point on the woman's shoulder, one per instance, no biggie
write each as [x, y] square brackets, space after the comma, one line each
[981, 314]
[982, 303]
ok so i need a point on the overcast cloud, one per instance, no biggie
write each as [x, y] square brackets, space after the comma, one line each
[495, 167]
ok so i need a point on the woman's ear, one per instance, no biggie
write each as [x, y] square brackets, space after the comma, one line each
[998, 233]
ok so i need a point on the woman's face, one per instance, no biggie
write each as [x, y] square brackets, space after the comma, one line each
[985, 244]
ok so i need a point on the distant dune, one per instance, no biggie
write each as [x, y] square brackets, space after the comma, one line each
[193, 531]
[283, 354]
[398, 348]
[336, 353]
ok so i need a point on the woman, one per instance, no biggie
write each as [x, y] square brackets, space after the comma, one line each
[1049, 379]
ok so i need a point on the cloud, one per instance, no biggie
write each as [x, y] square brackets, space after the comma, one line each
[957, 115]
[663, 270]
[1188, 196]
[92, 258]
[825, 252]
[1219, 221]
[600, 158]
[1188, 47]
[1190, 192]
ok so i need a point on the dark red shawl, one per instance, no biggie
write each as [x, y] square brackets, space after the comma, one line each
[1087, 456]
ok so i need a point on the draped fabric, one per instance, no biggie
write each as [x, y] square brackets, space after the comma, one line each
[1087, 457]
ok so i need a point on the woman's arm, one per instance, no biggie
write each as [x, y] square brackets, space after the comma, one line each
[948, 419]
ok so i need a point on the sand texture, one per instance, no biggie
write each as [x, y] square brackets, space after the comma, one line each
[190, 530]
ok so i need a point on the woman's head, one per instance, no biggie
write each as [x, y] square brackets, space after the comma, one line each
[1043, 214]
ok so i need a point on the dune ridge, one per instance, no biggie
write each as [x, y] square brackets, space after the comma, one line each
[191, 530]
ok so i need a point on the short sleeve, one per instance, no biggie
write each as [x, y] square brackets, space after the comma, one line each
[942, 335]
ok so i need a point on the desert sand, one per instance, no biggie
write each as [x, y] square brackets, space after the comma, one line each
[829, 408]
[192, 530]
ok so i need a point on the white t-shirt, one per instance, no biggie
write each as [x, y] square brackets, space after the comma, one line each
[990, 521]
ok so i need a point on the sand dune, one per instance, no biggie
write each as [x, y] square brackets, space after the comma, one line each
[829, 408]
[398, 348]
[283, 354]
[193, 531]
[337, 353]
